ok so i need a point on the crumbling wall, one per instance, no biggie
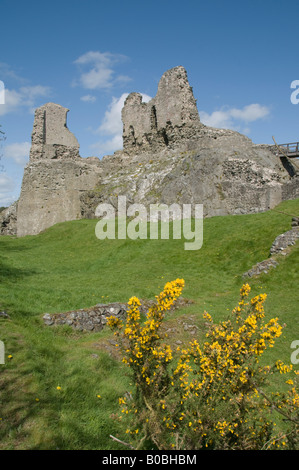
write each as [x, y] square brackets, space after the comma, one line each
[167, 121]
[55, 176]
[51, 139]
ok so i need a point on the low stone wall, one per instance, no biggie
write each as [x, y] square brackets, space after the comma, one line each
[95, 318]
[279, 246]
[284, 240]
[92, 319]
[262, 267]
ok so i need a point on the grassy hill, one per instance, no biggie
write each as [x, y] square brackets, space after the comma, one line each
[67, 267]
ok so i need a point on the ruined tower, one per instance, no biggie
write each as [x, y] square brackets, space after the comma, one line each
[51, 139]
[55, 176]
[169, 120]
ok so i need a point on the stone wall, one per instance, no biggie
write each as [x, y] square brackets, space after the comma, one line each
[51, 193]
[285, 240]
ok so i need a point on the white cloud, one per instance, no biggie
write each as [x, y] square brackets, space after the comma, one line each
[220, 119]
[88, 98]
[7, 186]
[112, 126]
[108, 146]
[112, 123]
[6, 183]
[2, 92]
[30, 93]
[25, 96]
[7, 72]
[97, 70]
[232, 118]
[250, 113]
[18, 152]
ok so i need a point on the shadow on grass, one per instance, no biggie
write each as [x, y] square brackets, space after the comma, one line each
[6, 269]
[11, 273]
[17, 410]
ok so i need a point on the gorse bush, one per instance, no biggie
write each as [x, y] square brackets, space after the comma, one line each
[211, 394]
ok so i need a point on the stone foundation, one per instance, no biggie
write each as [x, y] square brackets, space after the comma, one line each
[95, 318]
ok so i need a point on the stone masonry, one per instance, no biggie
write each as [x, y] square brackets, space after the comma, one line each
[51, 139]
[167, 121]
[55, 175]
[95, 318]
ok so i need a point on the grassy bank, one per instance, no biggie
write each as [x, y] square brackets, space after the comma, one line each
[67, 267]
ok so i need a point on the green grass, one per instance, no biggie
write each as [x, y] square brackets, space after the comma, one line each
[67, 267]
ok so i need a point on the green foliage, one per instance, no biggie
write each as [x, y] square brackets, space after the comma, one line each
[212, 395]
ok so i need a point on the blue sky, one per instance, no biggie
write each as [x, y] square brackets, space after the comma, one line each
[241, 58]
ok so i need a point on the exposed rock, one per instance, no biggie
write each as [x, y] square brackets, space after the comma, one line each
[8, 220]
[3, 314]
[295, 221]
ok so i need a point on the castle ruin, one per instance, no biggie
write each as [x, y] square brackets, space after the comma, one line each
[169, 120]
[168, 157]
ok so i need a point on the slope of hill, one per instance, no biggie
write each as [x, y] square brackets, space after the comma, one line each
[67, 267]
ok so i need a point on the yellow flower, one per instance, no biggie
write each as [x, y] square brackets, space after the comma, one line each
[58, 388]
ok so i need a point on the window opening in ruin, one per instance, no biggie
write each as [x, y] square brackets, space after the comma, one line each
[165, 138]
[154, 122]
